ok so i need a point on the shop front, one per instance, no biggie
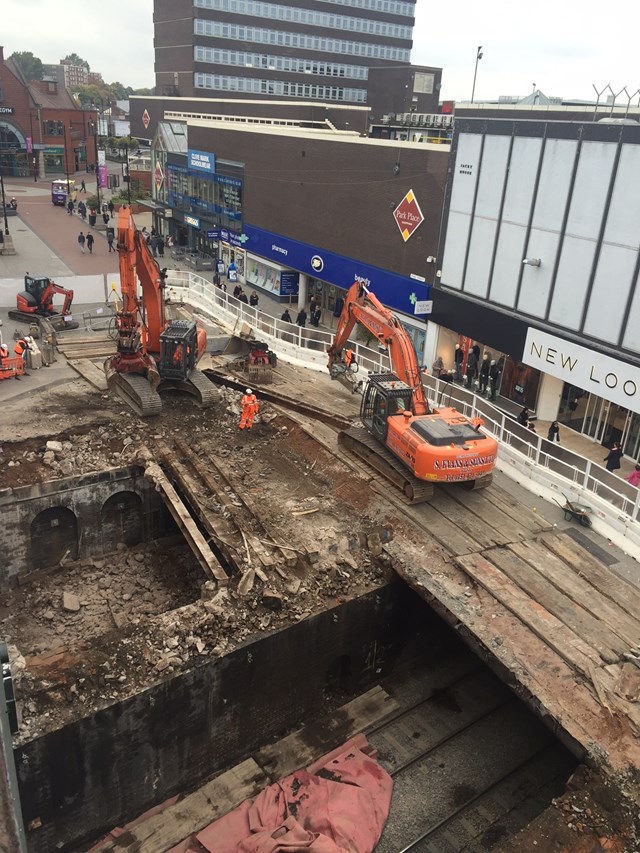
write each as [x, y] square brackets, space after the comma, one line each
[276, 280]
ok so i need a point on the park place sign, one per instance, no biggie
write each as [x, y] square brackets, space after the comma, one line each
[408, 215]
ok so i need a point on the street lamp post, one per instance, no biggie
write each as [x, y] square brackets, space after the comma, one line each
[66, 160]
[94, 128]
[4, 207]
[478, 58]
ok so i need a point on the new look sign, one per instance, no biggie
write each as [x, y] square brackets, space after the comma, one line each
[202, 161]
[592, 371]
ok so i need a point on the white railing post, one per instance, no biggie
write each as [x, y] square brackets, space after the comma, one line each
[587, 475]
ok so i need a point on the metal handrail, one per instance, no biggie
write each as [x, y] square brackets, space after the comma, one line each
[523, 454]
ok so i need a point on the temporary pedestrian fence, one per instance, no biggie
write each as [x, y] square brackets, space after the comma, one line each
[543, 467]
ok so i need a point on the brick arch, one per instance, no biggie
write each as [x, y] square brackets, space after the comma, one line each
[122, 520]
[54, 532]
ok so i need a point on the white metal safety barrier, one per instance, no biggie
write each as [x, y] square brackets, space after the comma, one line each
[543, 467]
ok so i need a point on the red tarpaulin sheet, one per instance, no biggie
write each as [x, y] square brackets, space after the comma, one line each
[338, 805]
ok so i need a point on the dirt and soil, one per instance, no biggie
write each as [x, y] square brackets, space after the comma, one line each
[90, 632]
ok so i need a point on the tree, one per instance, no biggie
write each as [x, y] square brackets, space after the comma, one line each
[74, 59]
[29, 64]
[143, 91]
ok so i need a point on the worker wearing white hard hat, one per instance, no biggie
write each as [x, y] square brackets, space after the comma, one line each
[249, 409]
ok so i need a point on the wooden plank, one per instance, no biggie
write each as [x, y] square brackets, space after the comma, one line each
[504, 501]
[608, 645]
[567, 580]
[490, 514]
[304, 746]
[467, 521]
[91, 372]
[219, 529]
[187, 525]
[624, 594]
[163, 831]
[446, 532]
[544, 625]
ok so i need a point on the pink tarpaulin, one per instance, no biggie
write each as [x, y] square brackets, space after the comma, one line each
[339, 807]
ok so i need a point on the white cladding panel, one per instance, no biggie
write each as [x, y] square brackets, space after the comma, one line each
[460, 207]
[590, 189]
[506, 270]
[536, 281]
[495, 155]
[571, 282]
[476, 280]
[553, 187]
[623, 220]
[608, 300]
[522, 176]
[455, 250]
[466, 172]
[631, 338]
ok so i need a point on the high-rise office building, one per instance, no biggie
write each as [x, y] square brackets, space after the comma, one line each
[313, 50]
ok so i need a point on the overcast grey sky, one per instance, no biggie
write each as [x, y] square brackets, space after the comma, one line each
[560, 45]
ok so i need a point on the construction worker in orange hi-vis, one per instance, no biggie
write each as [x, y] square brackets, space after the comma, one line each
[249, 409]
[21, 348]
[348, 357]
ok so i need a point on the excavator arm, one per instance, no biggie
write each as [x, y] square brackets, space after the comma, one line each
[50, 293]
[362, 306]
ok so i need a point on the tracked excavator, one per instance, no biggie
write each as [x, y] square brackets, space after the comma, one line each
[36, 301]
[411, 444]
[154, 354]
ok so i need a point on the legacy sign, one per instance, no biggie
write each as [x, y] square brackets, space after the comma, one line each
[600, 374]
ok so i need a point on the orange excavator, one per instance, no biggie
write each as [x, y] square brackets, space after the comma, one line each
[36, 300]
[411, 444]
[153, 354]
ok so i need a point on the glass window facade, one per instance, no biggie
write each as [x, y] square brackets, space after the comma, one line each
[217, 197]
[302, 41]
[221, 83]
[311, 17]
[390, 7]
[248, 59]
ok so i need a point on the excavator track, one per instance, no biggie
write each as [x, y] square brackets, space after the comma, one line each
[57, 320]
[136, 391]
[198, 386]
[367, 448]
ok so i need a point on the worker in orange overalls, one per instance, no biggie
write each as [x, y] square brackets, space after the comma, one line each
[249, 409]
[21, 348]
[349, 357]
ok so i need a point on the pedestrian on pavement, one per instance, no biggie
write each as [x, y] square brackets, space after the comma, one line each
[83, 186]
[250, 407]
[438, 366]
[90, 243]
[253, 299]
[82, 209]
[111, 207]
[523, 417]
[494, 378]
[81, 240]
[634, 477]
[554, 432]
[301, 319]
[153, 245]
[242, 297]
[614, 456]
[237, 290]
[70, 207]
[161, 247]
[105, 217]
[110, 240]
[216, 278]
[286, 317]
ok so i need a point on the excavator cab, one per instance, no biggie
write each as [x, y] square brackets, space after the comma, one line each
[178, 349]
[384, 397]
[30, 299]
